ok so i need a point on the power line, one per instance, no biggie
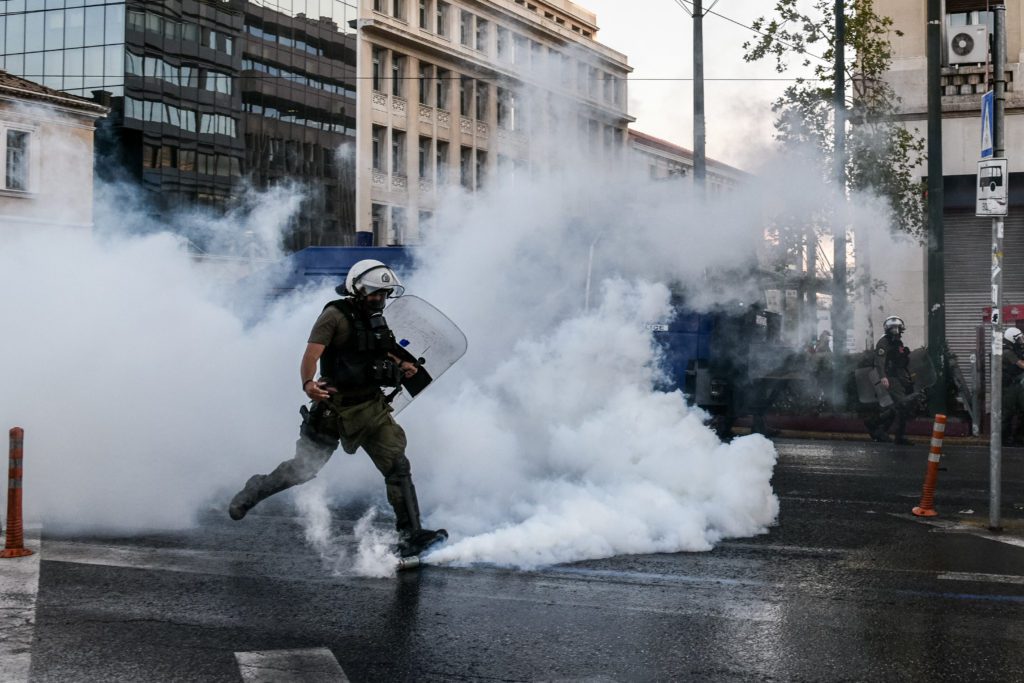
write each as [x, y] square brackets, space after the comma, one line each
[431, 78]
[689, 11]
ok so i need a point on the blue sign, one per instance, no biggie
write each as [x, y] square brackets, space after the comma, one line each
[988, 101]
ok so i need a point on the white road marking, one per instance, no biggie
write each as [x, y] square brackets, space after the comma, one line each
[986, 578]
[19, 585]
[957, 527]
[315, 665]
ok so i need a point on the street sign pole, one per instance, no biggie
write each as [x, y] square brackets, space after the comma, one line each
[996, 442]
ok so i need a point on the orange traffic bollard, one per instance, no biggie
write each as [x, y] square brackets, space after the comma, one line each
[926, 508]
[15, 546]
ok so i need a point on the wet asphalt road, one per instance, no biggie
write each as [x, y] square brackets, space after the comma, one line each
[847, 587]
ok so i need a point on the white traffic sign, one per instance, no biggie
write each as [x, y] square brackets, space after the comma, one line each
[993, 188]
[988, 101]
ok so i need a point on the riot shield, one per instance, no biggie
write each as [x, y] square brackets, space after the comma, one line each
[427, 337]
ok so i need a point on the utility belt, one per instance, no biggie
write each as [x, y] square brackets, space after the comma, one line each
[355, 399]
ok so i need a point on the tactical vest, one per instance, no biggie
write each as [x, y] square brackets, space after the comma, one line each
[361, 362]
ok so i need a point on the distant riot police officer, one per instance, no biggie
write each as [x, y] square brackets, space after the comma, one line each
[357, 355]
[1013, 390]
[892, 361]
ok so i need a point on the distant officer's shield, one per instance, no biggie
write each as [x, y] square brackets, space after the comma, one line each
[870, 389]
[427, 337]
[921, 369]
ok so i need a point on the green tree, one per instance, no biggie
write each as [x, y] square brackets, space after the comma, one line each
[882, 156]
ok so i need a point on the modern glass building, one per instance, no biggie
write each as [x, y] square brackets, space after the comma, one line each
[208, 96]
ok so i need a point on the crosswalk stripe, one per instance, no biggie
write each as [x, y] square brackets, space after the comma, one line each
[314, 665]
[19, 585]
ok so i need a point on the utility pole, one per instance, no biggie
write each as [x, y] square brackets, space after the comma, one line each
[839, 317]
[936, 199]
[996, 442]
[699, 157]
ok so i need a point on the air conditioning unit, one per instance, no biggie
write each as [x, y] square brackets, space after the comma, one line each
[967, 44]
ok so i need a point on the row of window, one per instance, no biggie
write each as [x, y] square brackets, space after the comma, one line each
[433, 17]
[190, 161]
[59, 29]
[185, 119]
[433, 158]
[298, 77]
[272, 36]
[434, 84]
[514, 48]
[186, 75]
[309, 120]
[172, 29]
[390, 224]
[87, 68]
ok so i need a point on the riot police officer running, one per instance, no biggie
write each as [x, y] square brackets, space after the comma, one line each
[357, 354]
[1013, 390]
[892, 361]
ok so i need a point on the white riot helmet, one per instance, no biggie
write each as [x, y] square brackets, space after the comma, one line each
[1013, 335]
[894, 323]
[368, 276]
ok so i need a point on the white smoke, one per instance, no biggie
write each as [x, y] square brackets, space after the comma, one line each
[147, 393]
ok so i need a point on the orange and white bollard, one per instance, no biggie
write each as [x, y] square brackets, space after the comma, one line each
[15, 546]
[926, 508]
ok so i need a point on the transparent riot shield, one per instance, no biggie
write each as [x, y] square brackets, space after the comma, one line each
[427, 337]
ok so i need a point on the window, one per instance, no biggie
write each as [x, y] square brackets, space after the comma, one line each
[377, 150]
[483, 29]
[442, 18]
[378, 221]
[442, 162]
[396, 235]
[466, 29]
[482, 97]
[443, 84]
[150, 156]
[465, 95]
[187, 160]
[397, 152]
[506, 109]
[425, 15]
[426, 79]
[522, 50]
[17, 175]
[378, 69]
[466, 167]
[481, 167]
[398, 9]
[397, 74]
[504, 44]
[426, 157]
[378, 5]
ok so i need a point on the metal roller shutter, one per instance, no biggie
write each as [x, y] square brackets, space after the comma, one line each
[968, 261]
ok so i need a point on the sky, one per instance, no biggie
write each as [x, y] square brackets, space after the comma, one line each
[656, 36]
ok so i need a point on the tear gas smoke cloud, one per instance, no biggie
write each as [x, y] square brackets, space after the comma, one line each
[147, 395]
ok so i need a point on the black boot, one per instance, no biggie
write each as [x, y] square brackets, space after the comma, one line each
[258, 487]
[412, 538]
[875, 430]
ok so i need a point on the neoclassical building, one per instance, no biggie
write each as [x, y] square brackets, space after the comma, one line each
[451, 92]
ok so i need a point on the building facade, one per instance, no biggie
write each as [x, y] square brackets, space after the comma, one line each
[208, 97]
[371, 107]
[665, 160]
[454, 92]
[46, 141]
[966, 76]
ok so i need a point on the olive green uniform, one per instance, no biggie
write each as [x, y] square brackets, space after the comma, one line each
[359, 417]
